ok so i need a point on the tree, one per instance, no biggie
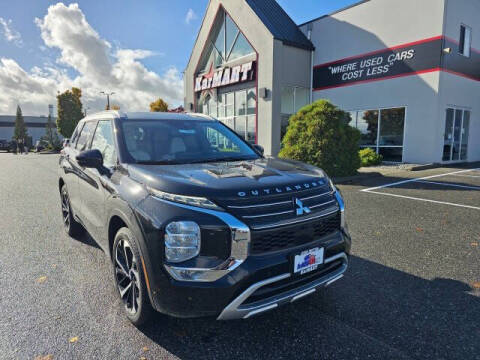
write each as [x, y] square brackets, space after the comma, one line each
[319, 134]
[51, 136]
[159, 106]
[69, 111]
[20, 132]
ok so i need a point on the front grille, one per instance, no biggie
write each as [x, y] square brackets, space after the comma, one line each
[273, 240]
[262, 212]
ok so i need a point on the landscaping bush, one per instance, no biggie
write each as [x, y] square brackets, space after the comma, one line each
[319, 134]
[368, 157]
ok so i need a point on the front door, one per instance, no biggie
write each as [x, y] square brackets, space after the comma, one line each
[95, 185]
[457, 124]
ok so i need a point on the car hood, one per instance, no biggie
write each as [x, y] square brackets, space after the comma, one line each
[228, 179]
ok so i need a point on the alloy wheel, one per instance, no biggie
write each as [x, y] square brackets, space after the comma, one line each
[65, 209]
[126, 276]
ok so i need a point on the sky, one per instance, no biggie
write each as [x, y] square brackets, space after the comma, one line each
[137, 49]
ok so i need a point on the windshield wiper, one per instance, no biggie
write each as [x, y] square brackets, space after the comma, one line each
[163, 162]
[226, 159]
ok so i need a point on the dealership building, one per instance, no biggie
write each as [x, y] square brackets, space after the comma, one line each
[407, 71]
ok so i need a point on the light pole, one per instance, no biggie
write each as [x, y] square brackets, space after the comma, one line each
[108, 98]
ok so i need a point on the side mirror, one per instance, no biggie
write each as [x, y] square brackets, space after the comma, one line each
[90, 159]
[259, 149]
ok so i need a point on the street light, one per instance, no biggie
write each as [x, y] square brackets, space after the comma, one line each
[108, 97]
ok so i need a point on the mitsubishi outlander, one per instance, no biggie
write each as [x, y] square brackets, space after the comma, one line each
[195, 220]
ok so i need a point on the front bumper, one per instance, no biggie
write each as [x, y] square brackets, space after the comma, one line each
[243, 285]
[259, 284]
[237, 309]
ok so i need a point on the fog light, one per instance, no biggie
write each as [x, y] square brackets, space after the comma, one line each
[182, 241]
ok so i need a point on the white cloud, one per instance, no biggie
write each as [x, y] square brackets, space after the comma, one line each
[190, 16]
[10, 34]
[97, 67]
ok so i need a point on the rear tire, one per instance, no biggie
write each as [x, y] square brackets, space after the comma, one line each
[71, 226]
[130, 279]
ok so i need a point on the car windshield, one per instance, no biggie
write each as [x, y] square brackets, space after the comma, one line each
[159, 142]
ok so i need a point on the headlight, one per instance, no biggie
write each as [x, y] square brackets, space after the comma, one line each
[182, 241]
[188, 200]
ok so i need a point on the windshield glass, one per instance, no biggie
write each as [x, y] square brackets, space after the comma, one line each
[182, 142]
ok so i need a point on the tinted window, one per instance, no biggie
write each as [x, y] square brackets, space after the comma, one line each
[103, 141]
[85, 135]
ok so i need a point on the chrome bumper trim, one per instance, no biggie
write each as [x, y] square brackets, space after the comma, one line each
[235, 310]
[240, 244]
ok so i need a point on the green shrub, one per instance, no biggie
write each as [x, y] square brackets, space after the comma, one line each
[319, 134]
[368, 157]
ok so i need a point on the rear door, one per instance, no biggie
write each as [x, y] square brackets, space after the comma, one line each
[96, 185]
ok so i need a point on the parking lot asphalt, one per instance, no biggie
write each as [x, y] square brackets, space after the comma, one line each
[412, 290]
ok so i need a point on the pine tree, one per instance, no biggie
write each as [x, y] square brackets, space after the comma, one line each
[20, 132]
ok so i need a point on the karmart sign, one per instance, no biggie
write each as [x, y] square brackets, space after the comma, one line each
[225, 76]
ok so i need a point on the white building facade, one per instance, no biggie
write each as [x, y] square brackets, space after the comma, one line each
[407, 71]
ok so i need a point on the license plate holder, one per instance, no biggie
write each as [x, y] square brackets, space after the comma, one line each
[308, 260]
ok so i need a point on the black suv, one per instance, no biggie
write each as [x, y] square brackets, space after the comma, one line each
[196, 221]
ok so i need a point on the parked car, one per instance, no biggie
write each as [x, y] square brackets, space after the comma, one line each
[5, 145]
[40, 145]
[193, 229]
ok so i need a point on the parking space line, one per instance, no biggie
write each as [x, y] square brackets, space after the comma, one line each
[417, 179]
[447, 184]
[469, 176]
[425, 200]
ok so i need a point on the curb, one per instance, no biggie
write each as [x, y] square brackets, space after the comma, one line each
[361, 176]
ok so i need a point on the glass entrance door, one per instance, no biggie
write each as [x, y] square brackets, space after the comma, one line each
[455, 147]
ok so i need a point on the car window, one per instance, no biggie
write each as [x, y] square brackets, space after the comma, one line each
[103, 141]
[85, 135]
[74, 136]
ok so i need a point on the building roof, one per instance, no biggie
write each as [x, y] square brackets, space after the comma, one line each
[280, 24]
[26, 119]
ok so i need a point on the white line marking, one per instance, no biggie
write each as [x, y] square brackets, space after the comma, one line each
[447, 184]
[417, 179]
[469, 176]
[425, 200]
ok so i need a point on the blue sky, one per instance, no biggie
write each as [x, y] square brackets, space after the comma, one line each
[157, 26]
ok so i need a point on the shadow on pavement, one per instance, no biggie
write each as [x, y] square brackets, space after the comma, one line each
[374, 312]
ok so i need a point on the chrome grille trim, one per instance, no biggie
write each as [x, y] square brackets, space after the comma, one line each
[286, 212]
[291, 222]
[259, 205]
[317, 196]
[322, 204]
[267, 215]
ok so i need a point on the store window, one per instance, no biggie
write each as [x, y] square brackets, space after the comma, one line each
[235, 109]
[382, 130]
[225, 45]
[293, 99]
[465, 43]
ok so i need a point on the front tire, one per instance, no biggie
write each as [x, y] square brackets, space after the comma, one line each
[71, 226]
[129, 278]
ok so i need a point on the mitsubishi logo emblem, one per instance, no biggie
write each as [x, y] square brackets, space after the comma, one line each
[300, 208]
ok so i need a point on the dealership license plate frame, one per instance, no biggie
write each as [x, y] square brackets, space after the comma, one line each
[319, 259]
